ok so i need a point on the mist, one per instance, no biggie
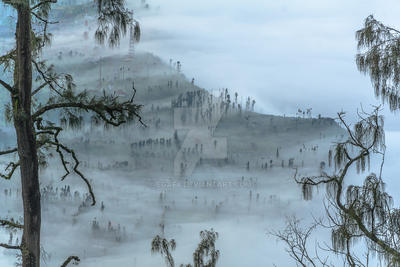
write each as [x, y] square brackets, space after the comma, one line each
[266, 49]
[198, 164]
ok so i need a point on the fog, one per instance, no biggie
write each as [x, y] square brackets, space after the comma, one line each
[223, 173]
[304, 51]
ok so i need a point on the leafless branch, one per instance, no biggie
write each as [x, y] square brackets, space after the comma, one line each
[13, 167]
[74, 259]
[55, 131]
[11, 224]
[7, 86]
[40, 87]
[10, 151]
[42, 3]
[9, 246]
[49, 80]
[42, 19]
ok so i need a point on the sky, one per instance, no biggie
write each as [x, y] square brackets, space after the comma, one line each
[286, 54]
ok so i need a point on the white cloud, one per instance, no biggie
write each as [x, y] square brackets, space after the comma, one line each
[286, 54]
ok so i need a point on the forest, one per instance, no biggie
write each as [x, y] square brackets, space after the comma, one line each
[133, 133]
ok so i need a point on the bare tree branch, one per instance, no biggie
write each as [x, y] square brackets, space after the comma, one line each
[75, 168]
[40, 87]
[43, 20]
[55, 131]
[10, 246]
[13, 167]
[7, 86]
[11, 224]
[10, 151]
[49, 80]
[75, 259]
[42, 3]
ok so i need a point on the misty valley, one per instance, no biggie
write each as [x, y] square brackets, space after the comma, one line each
[115, 156]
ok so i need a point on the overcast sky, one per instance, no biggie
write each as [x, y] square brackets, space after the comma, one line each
[285, 54]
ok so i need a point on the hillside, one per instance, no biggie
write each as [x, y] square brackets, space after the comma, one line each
[173, 106]
[205, 159]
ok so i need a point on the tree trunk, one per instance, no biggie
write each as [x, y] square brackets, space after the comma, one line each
[26, 141]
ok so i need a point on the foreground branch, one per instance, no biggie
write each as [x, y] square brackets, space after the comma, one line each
[55, 131]
[10, 151]
[75, 260]
[13, 167]
[9, 246]
[77, 162]
[11, 224]
[42, 3]
[7, 86]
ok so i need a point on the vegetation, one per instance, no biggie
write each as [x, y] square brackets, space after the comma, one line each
[36, 135]
[379, 57]
[357, 213]
[205, 254]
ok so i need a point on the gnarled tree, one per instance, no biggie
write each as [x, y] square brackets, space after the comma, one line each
[35, 134]
[358, 213]
[363, 212]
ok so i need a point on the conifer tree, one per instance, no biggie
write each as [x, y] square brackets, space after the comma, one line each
[36, 135]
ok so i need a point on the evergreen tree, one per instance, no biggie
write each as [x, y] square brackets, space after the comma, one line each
[36, 136]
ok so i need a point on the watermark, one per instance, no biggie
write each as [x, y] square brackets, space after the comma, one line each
[199, 123]
[206, 184]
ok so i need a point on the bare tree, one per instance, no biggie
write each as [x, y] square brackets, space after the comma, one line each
[36, 136]
[297, 240]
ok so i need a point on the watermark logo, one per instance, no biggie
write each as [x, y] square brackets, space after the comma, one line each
[199, 123]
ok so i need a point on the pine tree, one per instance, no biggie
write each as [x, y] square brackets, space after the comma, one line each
[36, 135]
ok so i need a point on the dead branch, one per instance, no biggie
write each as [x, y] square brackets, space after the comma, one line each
[10, 151]
[74, 259]
[7, 86]
[11, 224]
[42, 3]
[13, 167]
[9, 246]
